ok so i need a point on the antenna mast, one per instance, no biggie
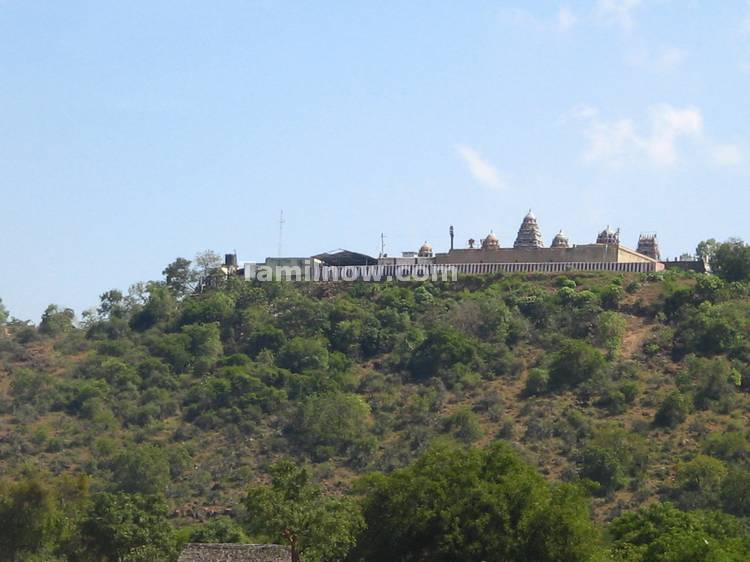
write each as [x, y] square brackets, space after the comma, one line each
[281, 231]
[382, 244]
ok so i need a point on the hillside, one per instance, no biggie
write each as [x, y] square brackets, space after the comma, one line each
[631, 388]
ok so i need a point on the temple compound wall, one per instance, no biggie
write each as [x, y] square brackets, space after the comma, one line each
[588, 253]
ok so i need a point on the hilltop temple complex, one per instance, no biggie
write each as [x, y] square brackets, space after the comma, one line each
[529, 247]
[528, 254]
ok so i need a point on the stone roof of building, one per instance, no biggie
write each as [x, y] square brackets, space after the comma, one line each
[529, 235]
[195, 552]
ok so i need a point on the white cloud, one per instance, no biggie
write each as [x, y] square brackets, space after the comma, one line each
[668, 124]
[481, 170]
[581, 111]
[610, 142]
[661, 60]
[618, 11]
[565, 19]
[656, 142]
[726, 155]
[518, 17]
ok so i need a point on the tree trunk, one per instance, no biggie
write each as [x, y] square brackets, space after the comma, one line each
[292, 539]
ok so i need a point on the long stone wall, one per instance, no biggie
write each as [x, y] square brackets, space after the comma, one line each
[235, 553]
[557, 267]
[577, 254]
[445, 272]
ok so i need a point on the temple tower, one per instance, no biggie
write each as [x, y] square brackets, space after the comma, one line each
[608, 236]
[529, 235]
[649, 246]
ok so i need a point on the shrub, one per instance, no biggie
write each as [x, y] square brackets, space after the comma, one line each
[303, 354]
[698, 482]
[576, 362]
[464, 425]
[608, 331]
[710, 379]
[731, 446]
[735, 492]
[673, 411]
[141, 469]
[442, 349]
[603, 467]
[611, 457]
[537, 382]
[332, 423]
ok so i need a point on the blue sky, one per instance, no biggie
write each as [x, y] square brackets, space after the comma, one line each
[135, 132]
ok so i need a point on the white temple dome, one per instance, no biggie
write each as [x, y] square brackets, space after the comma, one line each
[491, 242]
[425, 251]
[560, 240]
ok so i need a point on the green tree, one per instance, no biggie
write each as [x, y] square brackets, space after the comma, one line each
[29, 519]
[213, 306]
[217, 530]
[235, 393]
[179, 277]
[731, 260]
[706, 249]
[472, 505]
[735, 492]
[175, 349]
[3, 313]
[159, 307]
[126, 528]
[294, 510]
[711, 329]
[207, 261]
[205, 344]
[56, 320]
[663, 533]
[257, 332]
[111, 304]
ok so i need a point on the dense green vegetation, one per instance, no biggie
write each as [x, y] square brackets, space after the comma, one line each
[591, 417]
